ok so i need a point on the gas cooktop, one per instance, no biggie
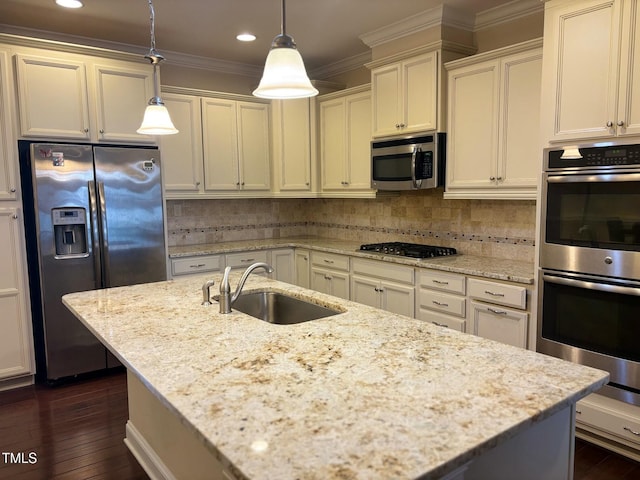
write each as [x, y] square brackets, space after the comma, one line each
[414, 250]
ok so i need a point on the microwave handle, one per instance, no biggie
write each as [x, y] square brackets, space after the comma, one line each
[603, 287]
[414, 159]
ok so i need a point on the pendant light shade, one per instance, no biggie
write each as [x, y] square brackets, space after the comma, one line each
[284, 74]
[156, 120]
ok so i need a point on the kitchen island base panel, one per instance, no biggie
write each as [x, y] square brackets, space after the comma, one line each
[164, 447]
[169, 450]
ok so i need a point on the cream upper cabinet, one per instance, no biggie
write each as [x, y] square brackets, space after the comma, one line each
[405, 95]
[8, 162]
[16, 358]
[591, 69]
[345, 142]
[80, 98]
[293, 153]
[236, 145]
[181, 153]
[493, 146]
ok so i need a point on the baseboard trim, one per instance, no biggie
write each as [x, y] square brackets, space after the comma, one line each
[145, 455]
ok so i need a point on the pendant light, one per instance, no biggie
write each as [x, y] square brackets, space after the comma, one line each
[156, 119]
[284, 73]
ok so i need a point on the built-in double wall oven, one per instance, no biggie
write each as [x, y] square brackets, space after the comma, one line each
[589, 277]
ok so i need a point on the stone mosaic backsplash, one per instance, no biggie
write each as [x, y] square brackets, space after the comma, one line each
[490, 228]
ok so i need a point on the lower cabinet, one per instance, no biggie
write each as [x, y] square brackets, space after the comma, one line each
[197, 264]
[386, 286]
[491, 315]
[303, 267]
[441, 299]
[282, 261]
[330, 274]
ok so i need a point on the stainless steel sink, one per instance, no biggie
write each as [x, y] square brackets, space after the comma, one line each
[280, 308]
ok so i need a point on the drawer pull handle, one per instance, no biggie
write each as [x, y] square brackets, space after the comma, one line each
[439, 282]
[637, 434]
[494, 294]
[440, 304]
[199, 265]
[327, 277]
[328, 261]
[247, 260]
[579, 412]
[440, 324]
[497, 312]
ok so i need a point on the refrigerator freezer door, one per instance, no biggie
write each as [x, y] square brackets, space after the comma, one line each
[61, 175]
[131, 210]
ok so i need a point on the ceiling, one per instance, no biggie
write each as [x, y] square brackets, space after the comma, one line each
[326, 31]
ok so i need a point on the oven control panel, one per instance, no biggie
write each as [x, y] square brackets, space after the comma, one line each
[613, 156]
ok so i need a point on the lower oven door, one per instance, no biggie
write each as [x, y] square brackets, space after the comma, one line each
[593, 321]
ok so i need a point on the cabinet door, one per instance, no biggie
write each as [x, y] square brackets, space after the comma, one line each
[519, 127]
[303, 268]
[582, 43]
[282, 262]
[629, 101]
[397, 298]
[332, 144]
[472, 143]
[220, 144]
[292, 144]
[419, 85]
[182, 152]
[366, 291]
[253, 145]
[15, 345]
[358, 110]
[8, 185]
[52, 98]
[122, 94]
[340, 285]
[387, 114]
[321, 280]
[500, 324]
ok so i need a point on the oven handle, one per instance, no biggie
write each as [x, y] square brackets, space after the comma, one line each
[601, 177]
[603, 287]
[414, 157]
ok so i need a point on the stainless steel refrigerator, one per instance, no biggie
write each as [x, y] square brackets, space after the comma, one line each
[96, 221]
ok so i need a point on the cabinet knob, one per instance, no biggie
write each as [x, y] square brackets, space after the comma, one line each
[402, 125]
[609, 124]
[492, 178]
[620, 123]
[86, 130]
[397, 125]
[15, 216]
[12, 190]
[102, 131]
[197, 184]
[499, 179]
[307, 184]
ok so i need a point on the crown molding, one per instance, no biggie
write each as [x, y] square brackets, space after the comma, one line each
[341, 66]
[440, 15]
[121, 51]
[507, 13]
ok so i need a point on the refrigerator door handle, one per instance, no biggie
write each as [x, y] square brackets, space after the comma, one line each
[95, 233]
[105, 238]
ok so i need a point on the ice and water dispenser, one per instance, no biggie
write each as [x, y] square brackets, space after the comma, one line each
[70, 231]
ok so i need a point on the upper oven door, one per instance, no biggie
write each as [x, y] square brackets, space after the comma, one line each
[591, 223]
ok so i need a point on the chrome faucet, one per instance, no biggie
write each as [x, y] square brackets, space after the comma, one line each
[206, 292]
[226, 299]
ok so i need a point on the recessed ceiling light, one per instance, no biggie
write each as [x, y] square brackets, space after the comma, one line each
[69, 3]
[246, 37]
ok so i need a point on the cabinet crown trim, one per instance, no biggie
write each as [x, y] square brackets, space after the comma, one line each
[497, 53]
[212, 94]
[440, 45]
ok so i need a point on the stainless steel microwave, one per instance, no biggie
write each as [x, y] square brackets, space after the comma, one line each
[408, 162]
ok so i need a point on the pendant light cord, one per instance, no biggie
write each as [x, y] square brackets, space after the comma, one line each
[283, 23]
[152, 15]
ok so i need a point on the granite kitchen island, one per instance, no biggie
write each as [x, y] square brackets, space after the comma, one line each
[364, 394]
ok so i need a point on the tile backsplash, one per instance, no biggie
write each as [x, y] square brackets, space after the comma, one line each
[490, 228]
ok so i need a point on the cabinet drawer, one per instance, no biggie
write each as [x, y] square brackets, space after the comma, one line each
[499, 293]
[608, 421]
[440, 320]
[442, 281]
[189, 265]
[244, 259]
[442, 302]
[383, 270]
[330, 260]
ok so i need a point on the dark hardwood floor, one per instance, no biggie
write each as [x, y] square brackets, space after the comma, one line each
[76, 432]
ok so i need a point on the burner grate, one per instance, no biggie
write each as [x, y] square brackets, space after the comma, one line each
[413, 250]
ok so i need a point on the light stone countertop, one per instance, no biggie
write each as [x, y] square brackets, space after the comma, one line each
[496, 268]
[365, 394]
